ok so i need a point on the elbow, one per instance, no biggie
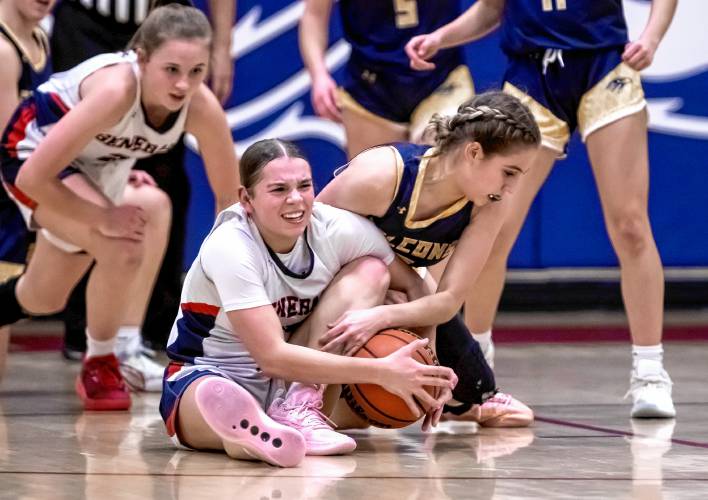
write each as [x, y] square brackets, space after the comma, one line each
[27, 183]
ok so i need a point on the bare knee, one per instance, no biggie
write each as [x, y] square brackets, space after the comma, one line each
[122, 255]
[373, 273]
[631, 233]
[154, 201]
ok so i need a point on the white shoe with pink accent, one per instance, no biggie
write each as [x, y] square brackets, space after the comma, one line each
[301, 410]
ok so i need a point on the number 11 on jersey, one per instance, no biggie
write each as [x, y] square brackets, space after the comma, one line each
[548, 5]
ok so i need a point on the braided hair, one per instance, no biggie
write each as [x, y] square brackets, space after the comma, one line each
[498, 121]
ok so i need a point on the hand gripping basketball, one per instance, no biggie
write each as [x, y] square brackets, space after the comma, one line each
[410, 385]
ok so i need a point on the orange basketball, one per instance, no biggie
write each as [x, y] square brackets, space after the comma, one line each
[374, 403]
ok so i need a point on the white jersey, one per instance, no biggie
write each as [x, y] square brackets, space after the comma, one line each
[236, 270]
[108, 158]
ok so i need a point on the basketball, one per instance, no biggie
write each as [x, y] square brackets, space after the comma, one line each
[372, 402]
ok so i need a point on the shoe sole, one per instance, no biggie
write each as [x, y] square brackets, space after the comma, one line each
[322, 450]
[507, 421]
[100, 404]
[652, 412]
[245, 430]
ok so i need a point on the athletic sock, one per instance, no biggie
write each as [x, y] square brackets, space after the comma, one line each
[458, 350]
[647, 359]
[10, 309]
[128, 341]
[99, 347]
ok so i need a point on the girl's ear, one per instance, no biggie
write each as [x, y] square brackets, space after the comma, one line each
[142, 56]
[245, 199]
[474, 151]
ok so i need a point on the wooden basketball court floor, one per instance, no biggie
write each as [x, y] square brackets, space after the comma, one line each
[583, 444]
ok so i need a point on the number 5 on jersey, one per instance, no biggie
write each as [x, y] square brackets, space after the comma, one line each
[407, 13]
[548, 5]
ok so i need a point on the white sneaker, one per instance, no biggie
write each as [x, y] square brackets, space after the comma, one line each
[141, 373]
[301, 410]
[650, 387]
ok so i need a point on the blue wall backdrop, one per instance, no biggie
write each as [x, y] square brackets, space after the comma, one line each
[565, 228]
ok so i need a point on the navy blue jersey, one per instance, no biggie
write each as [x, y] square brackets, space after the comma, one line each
[379, 30]
[420, 243]
[530, 25]
[14, 237]
[32, 74]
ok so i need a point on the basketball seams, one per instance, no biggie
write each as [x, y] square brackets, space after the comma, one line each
[386, 342]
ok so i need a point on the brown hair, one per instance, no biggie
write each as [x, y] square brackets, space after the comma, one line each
[260, 153]
[170, 22]
[498, 121]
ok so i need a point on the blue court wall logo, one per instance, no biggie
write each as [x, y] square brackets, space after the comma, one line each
[565, 227]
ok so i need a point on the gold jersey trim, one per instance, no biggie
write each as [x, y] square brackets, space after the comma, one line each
[415, 197]
[40, 37]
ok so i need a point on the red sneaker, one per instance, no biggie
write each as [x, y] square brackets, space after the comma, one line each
[100, 384]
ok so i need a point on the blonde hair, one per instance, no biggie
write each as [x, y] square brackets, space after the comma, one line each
[498, 121]
[170, 22]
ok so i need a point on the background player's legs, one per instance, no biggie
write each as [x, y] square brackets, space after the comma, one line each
[622, 177]
[365, 132]
[481, 306]
[619, 157]
[140, 372]
[156, 204]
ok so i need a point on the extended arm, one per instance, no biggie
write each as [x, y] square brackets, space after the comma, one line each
[639, 54]
[260, 331]
[207, 122]
[460, 274]
[314, 37]
[222, 14]
[481, 18]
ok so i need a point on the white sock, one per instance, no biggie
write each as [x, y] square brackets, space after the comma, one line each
[647, 360]
[98, 347]
[128, 341]
[484, 338]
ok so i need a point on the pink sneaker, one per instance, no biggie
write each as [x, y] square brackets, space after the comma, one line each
[301, 409]
[244, 428]
[501, 410]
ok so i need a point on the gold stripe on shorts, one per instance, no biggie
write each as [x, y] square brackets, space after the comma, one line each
[457, 88]
[617, 95]
[555, 133]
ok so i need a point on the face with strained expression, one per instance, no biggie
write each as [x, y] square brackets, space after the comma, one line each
[484, 178]
[280, 203]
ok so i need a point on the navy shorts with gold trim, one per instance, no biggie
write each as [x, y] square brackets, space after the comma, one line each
[405, 97]
[574, 89]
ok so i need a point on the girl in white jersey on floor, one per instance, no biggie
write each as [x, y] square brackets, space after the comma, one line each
[66, 160]
[274, 271]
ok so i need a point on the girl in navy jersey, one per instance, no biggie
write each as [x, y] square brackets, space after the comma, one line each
[574, 66]
[380, 98]
[66, 160]
[433, 203]
[275, 269]
[23, 49]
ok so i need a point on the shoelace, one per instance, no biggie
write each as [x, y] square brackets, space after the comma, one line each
[310, 415]
[658, 380]
[500, 398]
